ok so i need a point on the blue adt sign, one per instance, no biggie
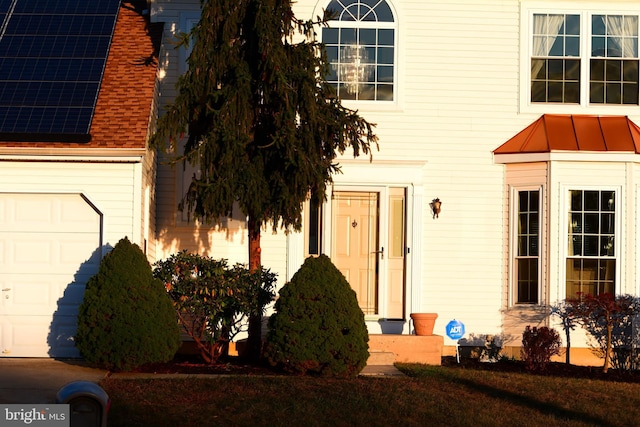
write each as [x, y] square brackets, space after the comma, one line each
[455, 329]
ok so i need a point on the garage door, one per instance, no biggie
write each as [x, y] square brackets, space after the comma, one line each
[49, 247]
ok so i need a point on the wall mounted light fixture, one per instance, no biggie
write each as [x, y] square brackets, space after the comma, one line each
[435, 207]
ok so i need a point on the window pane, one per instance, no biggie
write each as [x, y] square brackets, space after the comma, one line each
[385, 92]
[572, 70]
[572, 25]
[613, 71]
[630, 71]
[538, 92]
[591, 200]
[572, 92]
[348, 36]
[385, 37]
[575, 226]
[591, 245]
[539, 69]
[597, 93]
[368, 36]
[576, 200]
[607, 223]
[608, 201]
[630, 94]
[385, 55]
[557, 46]
[591, 223]
[606, 246]
[555, 69]
[527, 281]
[575, 245]
[572, 46]
[613, 93]
[597, 70]
[385, 74]
[597, 25]
[554, 92]
[330, 35]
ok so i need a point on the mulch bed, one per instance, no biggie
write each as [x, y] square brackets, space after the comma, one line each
[556, 369]
[192, 364]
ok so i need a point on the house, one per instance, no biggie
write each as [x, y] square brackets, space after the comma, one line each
[76, 104]
[519, 116]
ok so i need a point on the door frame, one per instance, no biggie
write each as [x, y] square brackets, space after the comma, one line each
[362, 176]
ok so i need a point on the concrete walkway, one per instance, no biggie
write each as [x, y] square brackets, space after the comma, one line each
[27, 380]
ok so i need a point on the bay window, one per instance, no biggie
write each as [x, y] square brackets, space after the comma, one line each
[591, 254]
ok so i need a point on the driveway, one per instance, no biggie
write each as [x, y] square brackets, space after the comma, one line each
[26, 380]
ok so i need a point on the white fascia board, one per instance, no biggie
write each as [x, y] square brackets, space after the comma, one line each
[568, 156]
[72, 155]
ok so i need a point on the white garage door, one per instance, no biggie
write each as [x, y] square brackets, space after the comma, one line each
[49, 247]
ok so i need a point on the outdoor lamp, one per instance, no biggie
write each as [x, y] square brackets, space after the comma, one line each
[435, 206]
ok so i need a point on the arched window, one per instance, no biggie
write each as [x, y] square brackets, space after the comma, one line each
[360, 43]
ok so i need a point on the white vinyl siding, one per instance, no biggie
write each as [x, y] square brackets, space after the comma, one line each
[109, 186]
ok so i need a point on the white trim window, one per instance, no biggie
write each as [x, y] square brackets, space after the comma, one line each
[361, 50]
[526, 264]
[585, 58]
[591, 243]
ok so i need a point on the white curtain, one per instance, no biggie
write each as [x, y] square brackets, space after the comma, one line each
[622, 32]
[545, 32]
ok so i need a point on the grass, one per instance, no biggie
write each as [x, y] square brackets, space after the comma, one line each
[428, 396]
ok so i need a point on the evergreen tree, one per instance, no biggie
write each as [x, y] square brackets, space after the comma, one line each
[264, 128]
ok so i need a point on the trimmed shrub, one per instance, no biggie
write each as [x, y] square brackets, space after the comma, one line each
[126, 319]
[318, 327]
[212, 300]
[538, 345]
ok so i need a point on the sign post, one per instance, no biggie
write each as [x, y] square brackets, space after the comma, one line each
[455, 331]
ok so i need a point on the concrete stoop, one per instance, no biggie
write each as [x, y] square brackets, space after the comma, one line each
[381, 358]
[425, 349]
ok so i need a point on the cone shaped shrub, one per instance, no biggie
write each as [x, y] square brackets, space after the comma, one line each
[318, 326]
[126, 318]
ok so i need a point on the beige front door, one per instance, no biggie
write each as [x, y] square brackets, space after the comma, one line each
[355, 242]
[372, 262]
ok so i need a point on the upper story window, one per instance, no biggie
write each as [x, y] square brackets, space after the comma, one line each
[361, 49]
[555, 60]
[583, 58]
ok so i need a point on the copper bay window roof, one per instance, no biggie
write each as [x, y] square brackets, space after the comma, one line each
[554, 132]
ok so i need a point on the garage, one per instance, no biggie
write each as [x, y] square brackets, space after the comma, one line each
[50, 245]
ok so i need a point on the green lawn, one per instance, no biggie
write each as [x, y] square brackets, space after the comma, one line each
[428, 396]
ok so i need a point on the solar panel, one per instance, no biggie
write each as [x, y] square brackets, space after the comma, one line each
[52, 57]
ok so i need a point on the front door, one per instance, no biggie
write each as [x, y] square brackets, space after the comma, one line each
[367, 246]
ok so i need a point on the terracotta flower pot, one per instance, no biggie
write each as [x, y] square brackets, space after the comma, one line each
[423, 322]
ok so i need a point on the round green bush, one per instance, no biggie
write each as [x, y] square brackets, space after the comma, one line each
[318, 327]
[126, 319]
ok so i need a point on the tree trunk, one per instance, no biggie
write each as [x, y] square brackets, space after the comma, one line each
[607, 356]
[568, 353]
[254, 341]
